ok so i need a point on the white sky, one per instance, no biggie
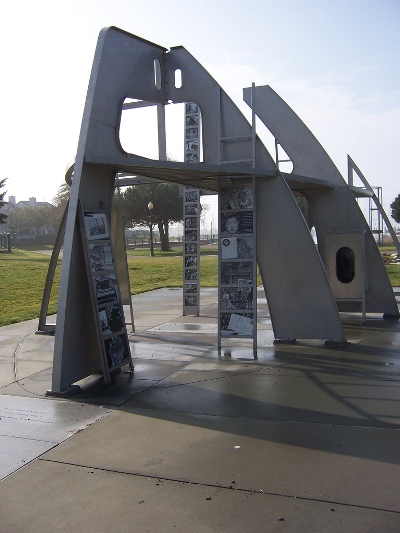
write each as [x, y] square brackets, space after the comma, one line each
[336, 64]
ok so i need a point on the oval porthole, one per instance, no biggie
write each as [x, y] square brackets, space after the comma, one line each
[345, 265]
[157, 74]
[178, 78]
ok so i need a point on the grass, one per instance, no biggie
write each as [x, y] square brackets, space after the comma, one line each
[23, 274]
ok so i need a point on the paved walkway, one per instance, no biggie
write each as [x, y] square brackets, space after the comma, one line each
[305, 438]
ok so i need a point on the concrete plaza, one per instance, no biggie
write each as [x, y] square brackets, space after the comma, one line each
[304, 438]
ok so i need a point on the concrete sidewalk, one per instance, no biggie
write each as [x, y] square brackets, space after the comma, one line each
[304, 438]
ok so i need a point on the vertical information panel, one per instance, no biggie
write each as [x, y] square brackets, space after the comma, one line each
[109, 314]
[191, 216]
[237, 288]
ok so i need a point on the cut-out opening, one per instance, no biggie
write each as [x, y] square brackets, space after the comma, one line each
[138, 131]
[345, 265]
[157, 74]
[178, 78]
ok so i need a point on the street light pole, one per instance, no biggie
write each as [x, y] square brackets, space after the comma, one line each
[150, 207]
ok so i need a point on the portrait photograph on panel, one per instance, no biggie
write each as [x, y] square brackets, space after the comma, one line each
[190, 261]
[241, 198]
[96, 226]
[117, 350]
[100, 257]
[237, 223]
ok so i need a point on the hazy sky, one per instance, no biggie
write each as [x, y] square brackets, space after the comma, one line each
[335, 62]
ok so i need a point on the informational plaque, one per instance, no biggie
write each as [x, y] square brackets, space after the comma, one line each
[191, 216]
[111, 329]
[237, 309]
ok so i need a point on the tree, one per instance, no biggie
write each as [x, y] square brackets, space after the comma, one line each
[395, 206]
[167, 207]
[34, 217]
[60, 202]
[2, 202]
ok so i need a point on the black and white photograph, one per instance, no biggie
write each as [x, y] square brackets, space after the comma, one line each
[106, 288]
[236, 273]
[237, 223]
[191, 195]
[190, 288]
[111, 319]
[191, 107]
[192, 157]
[236, 324]
[192, 133]
[192, 120]
[190, 248]
[190, 301]
[191, 209]
[100, 257]
[243, 197]
[236, 298]
[191, 235]
[191, 222]
[192, 146]
[96, 226]
[117, 350]
[237, 248]
[190, 275]
[190, 261]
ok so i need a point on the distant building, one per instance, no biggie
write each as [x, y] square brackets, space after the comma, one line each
[24, 232]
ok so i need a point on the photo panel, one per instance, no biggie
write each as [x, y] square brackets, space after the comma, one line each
[190, 248]
[237, 298]
[192, 146]
[237, 223]
[111, 319]
[100, 257]
[191, 107]
[236, 273]
[190, 275]
[106, 288]
[117, 350]
[96, 226]
[191, 209]
[190, 261]
[191, 196]
[190, 288]
[192, 157]
[191, 301]
[191, 222]
[192, 120]
[191, 235]
[240, 198]
[237, 248]
[236, 324]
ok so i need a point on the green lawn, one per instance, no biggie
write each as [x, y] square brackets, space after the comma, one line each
[23, 275]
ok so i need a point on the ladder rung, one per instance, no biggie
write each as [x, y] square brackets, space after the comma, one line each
[232, 139]
[237, 161]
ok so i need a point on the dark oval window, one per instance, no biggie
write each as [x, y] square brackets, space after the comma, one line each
[345, 265]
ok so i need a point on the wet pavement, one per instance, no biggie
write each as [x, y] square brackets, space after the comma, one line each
[304, 438]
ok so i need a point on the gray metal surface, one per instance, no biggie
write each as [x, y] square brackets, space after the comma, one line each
[334, 210]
